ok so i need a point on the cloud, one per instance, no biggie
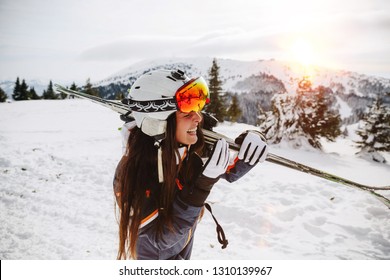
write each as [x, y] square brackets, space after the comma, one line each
[132, 48]
[97, 34]
[217, 43]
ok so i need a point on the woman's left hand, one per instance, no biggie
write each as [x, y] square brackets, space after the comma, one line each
[253, 148]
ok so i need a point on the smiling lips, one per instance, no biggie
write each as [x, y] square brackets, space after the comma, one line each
[192, 131]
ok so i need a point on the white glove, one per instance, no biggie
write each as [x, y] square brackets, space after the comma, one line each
[219, 160]
[253, 149]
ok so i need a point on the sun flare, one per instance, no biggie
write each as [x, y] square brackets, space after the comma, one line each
[302, 51]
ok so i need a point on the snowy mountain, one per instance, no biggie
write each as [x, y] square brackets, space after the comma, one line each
[257, 81]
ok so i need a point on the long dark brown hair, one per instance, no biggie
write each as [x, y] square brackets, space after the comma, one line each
[136, 171]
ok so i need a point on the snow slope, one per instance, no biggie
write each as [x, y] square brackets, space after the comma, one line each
[57, 162]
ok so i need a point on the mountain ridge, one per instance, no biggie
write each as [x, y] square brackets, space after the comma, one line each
[257, 81]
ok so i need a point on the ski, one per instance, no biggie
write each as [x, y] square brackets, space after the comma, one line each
[211, 137]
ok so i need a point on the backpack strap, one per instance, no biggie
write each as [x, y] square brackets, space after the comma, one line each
[220, 233]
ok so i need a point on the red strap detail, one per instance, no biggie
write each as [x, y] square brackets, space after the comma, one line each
[179, 185]
[232, 165]
[147, 193]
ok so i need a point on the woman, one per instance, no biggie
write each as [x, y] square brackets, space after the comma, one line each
[161, 182]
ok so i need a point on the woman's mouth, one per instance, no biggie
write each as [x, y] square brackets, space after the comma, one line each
[192, 131]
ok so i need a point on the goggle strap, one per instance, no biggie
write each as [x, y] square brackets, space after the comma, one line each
[153, 106]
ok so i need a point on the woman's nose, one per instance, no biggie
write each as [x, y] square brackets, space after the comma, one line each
[196, 116]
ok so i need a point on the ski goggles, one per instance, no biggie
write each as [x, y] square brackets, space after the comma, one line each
[191, 97]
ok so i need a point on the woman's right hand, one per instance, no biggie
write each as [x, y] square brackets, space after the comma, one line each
[218, 161]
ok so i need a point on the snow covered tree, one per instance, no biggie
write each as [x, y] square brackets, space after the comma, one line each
[316, 117]
[302, 117]
[282, 123]
[374, 131]
[261, 116]
[49, 93]
[234, 111]
[3, 95]
[216, 107]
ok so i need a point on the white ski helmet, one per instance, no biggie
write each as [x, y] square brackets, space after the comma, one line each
[156, 95]
[151, 99]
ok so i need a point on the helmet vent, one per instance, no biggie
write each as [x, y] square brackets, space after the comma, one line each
[169, 77]
[137, 87]
[178, 74]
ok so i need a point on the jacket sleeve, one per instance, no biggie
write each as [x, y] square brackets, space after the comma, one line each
[238, 169]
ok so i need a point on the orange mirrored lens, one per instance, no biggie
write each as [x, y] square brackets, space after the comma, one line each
[193, 96]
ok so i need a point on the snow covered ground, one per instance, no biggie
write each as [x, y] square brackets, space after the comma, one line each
[57, 162]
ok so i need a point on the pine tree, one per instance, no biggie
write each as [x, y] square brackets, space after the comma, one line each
[33, 95]
[24, 92]
[16, 94]
[64, 95]
[316, 117]
[375, 129]
[49, 93]
[261, 116]
[216, 107]
[88, 89]
[73, 86]
[328, 119]
[3, 95]
[302, 117]
[283, 121]
[119, 95]
[234, 111]
[21, 91]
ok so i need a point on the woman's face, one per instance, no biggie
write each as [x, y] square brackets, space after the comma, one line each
[186, 126]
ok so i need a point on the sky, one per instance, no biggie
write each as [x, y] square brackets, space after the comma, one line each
[74, 40]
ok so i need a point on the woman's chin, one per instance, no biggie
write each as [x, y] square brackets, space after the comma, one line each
[191, 139]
